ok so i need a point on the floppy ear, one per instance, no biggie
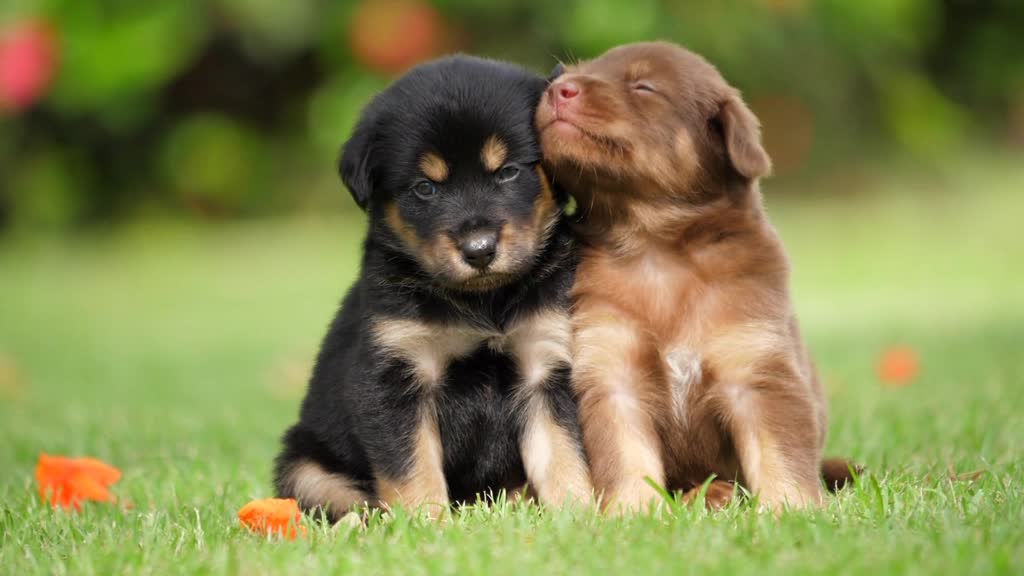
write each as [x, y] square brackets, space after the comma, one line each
[742, 133]
[354, 165]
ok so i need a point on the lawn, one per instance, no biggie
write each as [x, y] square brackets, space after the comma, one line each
[179, 352]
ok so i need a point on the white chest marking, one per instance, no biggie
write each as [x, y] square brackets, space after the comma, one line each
[684, 370]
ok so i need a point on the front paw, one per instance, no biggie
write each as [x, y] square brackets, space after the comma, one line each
[637, 497]
[719, 495]
[778, 498]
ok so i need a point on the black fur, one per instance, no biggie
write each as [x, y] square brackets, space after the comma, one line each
[361, 407]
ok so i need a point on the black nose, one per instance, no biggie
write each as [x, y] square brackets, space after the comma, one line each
[478, 248]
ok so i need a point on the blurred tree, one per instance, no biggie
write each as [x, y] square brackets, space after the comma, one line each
[220, 108]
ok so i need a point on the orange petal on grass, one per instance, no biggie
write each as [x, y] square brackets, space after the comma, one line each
[273, 516]
[103, 473]
[898, 366]
[67, 482]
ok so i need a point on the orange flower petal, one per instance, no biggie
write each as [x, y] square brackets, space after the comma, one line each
[85, 487]
[66, 482]
[273, 515]
[101, 471]
[898, 366]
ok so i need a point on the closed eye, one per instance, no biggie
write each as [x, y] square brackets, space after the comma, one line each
[643, 86]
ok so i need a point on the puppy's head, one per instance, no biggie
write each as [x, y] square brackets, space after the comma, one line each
[446, 162]
[653, 117]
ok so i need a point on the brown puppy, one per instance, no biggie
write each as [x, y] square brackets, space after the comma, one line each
[688, 359]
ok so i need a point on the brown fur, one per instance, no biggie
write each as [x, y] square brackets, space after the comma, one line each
[719, 495]
[687, 355]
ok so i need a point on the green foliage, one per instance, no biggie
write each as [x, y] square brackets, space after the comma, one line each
[51, 189]
[113, 56]
[924, 78]
[214, 164]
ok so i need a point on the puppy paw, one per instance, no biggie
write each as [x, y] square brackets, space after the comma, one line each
[720, 493]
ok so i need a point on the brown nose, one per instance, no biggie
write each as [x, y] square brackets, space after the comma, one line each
[563, 92]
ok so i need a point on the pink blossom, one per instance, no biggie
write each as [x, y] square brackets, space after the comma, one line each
[28, 61]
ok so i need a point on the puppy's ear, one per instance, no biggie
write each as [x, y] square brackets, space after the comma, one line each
[354, 164]
[742, 134]
[557, 71]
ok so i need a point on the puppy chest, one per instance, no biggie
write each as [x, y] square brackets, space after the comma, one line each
[479, 425]
[446, 356]
[427, 349]
[540, 345]
[656, 288]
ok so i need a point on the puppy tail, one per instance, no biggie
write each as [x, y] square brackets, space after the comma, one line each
[839, 473]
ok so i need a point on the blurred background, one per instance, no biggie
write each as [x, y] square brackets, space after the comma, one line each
[114, 111]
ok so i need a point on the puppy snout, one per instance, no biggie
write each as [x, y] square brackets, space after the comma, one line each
[478, 248]
[563, 93]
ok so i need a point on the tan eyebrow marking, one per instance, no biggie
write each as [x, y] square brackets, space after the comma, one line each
[434, 167]
[494, 153]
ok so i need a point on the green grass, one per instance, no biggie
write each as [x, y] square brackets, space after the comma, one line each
[179, 353]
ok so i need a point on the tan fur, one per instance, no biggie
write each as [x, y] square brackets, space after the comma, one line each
[687, 359]
[553, 461]
[540, 343]
[403, 230]
[311, 484]
[428, 348]
[423, 486]
[545, 209]
[434, 167]
[494, 153]
[621, 434]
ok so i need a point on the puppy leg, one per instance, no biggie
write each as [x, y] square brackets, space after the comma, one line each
[309, 471]
[552, 454]
[420, 482]
[771, 410]
[313, 487]
[774, 431]
[618, 427]
[550, 442]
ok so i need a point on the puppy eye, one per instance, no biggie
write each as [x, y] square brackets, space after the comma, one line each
[508, 173]
[425, 190]
[643, 87]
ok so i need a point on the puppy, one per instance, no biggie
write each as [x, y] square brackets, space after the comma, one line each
[446, 375]
[687, 356]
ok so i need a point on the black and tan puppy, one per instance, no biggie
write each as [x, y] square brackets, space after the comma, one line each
[446, 372]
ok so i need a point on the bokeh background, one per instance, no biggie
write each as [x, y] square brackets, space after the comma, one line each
[226, 109]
